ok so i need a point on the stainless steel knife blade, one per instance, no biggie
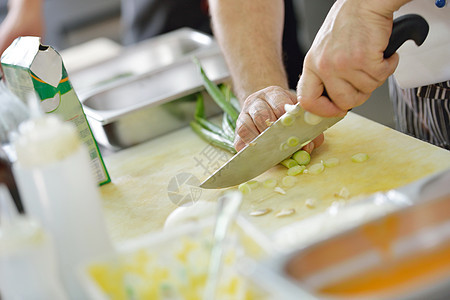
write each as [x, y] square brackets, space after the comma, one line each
[268, 149]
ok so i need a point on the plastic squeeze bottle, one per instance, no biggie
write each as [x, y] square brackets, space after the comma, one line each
[59, 189]
[7, 177]
[28, 267]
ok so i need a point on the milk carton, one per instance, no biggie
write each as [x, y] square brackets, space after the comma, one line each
[31, 68]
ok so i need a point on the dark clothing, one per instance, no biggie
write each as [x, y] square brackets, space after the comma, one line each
[293, 54]
[143, 19]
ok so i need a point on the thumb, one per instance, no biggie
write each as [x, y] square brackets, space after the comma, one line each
[391, 64]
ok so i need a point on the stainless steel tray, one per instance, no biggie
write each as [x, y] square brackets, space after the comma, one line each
[150, 88]
[141, 58]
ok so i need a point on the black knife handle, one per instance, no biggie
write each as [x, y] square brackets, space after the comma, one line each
[407, 27]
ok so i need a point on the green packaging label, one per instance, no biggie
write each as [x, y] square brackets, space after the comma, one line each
[44, 75]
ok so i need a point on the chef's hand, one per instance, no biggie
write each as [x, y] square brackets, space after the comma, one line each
[24, 18]
[347, 57]
[259, 110]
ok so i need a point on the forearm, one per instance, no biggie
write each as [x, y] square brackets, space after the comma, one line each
[21, 6]
[250, 36]
[24, 18]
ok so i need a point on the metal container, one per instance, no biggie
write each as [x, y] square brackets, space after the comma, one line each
[402, 255]
[148, 90]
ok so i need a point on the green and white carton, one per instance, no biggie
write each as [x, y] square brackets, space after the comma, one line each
[30, 67]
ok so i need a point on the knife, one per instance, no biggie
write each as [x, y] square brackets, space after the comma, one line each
[272, 145]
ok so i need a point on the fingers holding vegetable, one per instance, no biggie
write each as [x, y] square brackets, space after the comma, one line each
[246, 130]
[259, 111]
[314, 144]
[269, 103]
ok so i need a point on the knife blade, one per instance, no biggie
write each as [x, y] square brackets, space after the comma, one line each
[269, 147]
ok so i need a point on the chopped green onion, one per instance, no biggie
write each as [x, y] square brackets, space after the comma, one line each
[331, 162]
[260, 212]
[311, 118]
[235, 102]
[291, 108]
[270, 183]
[229, 97]
[199, 107]
[293, 141]
[310, 203]
[344, 193]
[253, 184]
[212, 127]
[226, 91]
[232, 124]
[287, 119]
[216, 94]
[284, 146]
[288, 181]
[245, 188]
[213, 138]
[279, 190]
[285, 212]
[360, 157]
[316, 169]
[227, 127]
[302, 157]
[295, 170]
[289, 163]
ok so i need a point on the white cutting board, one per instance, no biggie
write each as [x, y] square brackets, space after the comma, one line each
[136, 202]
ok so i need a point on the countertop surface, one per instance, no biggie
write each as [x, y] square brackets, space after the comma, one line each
[147, 179]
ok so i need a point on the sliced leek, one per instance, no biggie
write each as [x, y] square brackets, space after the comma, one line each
[279, 190]
[310, 203]
[302, 157]
[254, 184]
[360, 157]
[213, 138]
[284, 146]
[292, 109]
[285, 212]
[245, 188]
[316, 169]
[217, 94]
[293, 141]
[289, 163]
[331, 162]
[311, 118]
[287, 119]
[260, 212]
[288, 181]
[295, 170]
[270, 183]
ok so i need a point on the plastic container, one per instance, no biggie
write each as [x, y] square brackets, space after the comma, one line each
[58, 188]
[28, 267]
[7, 178]
[173, 264]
